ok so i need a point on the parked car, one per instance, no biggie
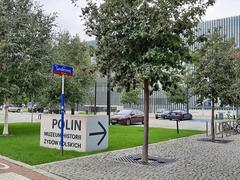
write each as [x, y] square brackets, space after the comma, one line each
[179, 115]
[55, 110]
[159, 113]
[14, 108]
[36, 107]
[128, 117]
[162, 114]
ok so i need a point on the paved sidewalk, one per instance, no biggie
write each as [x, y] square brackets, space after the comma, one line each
[14, 170]
[192, 125]
[195, 160]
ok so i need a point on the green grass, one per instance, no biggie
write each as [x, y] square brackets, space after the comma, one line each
[84, 113]
[24, 146]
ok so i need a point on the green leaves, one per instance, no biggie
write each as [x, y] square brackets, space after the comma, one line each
[214, 72]
[71, 51]
[131, 97]
[25, 37]
[143, 39]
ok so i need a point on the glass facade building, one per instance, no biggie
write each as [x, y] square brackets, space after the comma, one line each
[228, 27]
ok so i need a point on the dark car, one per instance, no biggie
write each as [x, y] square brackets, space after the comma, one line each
[161, 113]
[165, 114]
[127, 117]
[179, 115]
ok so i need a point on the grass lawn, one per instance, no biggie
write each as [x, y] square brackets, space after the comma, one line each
[84, 113]
[24, 144]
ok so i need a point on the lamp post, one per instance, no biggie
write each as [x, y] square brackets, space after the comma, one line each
[109, 95]
[94, 62]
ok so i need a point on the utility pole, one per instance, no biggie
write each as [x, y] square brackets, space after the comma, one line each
[109, 96]
[95, 98]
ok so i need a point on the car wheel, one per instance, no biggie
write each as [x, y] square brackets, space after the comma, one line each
[18, 110]
[156, 117]
[128, 122]
[114, 123]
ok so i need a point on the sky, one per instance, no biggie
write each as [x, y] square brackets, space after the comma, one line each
[68, 16]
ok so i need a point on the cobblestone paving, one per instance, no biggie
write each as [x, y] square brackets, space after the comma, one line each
[195, 159]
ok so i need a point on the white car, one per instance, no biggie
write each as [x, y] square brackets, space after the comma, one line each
[14, 108]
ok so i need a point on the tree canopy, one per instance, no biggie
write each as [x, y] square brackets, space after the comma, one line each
[25, 38]
[131, 97]
[143, 39]
[71, 51]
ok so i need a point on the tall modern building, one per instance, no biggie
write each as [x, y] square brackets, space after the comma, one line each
[228, 27]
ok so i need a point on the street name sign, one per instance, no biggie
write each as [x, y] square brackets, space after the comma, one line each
[62, 70]
[81, 133]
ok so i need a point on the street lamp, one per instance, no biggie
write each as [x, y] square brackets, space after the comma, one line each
[109, 95]
[94, 62]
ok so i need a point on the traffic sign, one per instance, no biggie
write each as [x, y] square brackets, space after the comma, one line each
[62, 70]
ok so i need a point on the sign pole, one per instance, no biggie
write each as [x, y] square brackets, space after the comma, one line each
[62, 114]
[62, 71]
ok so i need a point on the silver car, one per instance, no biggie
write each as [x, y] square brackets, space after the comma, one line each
[14, 108]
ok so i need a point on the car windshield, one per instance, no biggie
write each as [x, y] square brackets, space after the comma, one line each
[123, 112]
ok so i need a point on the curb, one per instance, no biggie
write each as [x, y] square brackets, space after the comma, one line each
[33, 168]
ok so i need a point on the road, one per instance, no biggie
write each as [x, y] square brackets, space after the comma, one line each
[196, 124]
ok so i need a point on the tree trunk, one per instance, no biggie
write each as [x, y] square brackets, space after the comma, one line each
[146, 121]
[109, 96]
[187, 106]
[5, 129]
[72, 111]
[237, 109]
[187, 103]
[32, 110]
[212, 122]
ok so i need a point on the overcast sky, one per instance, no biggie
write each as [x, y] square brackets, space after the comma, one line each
[68, 15]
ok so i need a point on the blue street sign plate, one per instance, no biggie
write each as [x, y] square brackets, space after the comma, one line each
[61, 69]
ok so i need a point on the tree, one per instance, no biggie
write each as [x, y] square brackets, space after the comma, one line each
[180, 92]
[25, 37]
[131, 97]
[71, 51]
[232, 97]
[214, 72]
[144, 41]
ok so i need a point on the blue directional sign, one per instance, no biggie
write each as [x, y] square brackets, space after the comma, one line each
[62, 70]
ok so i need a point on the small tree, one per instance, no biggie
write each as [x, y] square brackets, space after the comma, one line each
[180, 92]
[71, 51]
[214, 72]
[143, 41]
[25, 37]
[131, 97]
[232, 97]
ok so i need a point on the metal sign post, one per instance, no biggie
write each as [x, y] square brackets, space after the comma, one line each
[62, 114]
[68, 71]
